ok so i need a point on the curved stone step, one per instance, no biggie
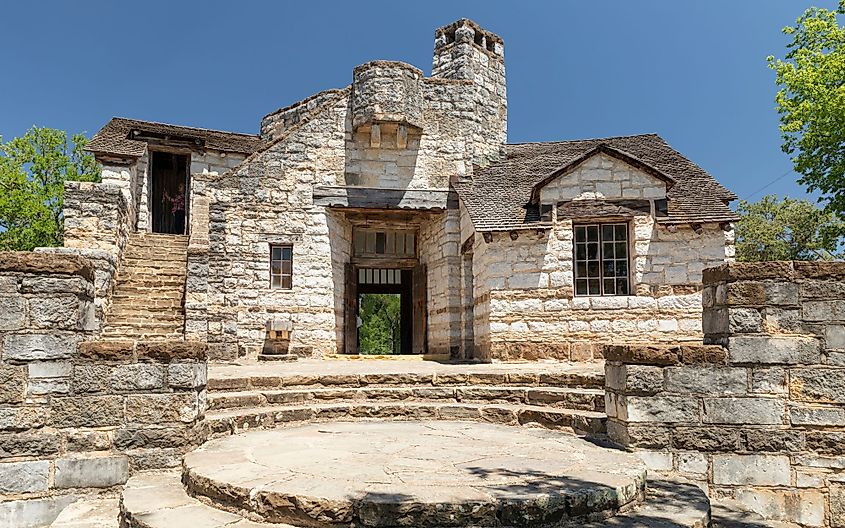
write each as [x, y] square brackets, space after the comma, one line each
[563, 397]
[232, 421]
[421, 474]
[158, 500]
[667, 504]
[591, 379]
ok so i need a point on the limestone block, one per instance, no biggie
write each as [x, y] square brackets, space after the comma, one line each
[706, 380]
[759, 411]
[665, 409]
[187, 375]
[692, 463]
[818, 384]
[12, 313]
[834, 337]
[92, 472]
[87, 411]
[29, 444]
[33, 513]
[57, 311]
[817, 416]
[90, 378]
[24, 477]
[29, 347]
[744, 470]
[774, 350]
[826, 442]
[20, 418]
[139, 376]
[12, 383]
[83, 441]
[837, 504]
[161, 408]
[656, 460]
[805, 506]
[774, 440]
[768, 381]
[49, 369]
[744, 320]
[643, 379]
[707, 439]
[824, 310]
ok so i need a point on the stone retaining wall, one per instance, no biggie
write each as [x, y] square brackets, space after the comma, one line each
[758, 413]
[79, 415]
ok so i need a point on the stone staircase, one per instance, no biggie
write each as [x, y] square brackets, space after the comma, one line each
[572, 401]
[148, 300]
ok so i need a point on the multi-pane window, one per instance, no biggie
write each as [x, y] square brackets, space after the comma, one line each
[601, 259]
[281, 267]
[393, 243]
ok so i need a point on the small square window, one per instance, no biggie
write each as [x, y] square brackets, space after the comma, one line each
[281, 267]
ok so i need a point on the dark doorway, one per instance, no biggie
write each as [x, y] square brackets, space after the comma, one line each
[384, 311]
[169, 192]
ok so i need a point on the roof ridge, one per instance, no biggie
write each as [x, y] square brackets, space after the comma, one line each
[185, 126]
[560, 141]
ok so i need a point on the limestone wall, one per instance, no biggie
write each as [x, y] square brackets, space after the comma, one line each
[603, 177]
[762, 419]
[78, 416]
[439, 245]
[525, 291]
[268, 200]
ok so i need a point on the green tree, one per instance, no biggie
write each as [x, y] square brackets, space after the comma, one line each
[774, 229]
[379, 332]
[33, 170]
[811, 102]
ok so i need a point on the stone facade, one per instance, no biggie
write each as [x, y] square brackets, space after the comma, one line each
[757, 414]
[78, 415]
[392, 150]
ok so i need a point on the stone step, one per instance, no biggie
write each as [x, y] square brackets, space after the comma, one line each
[233, 421]
[277, 357]
[158, 500]
[566, 379]
[568, 398]
[667, 504]
[94, 511]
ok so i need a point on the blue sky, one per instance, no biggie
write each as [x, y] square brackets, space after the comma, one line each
[694, 72]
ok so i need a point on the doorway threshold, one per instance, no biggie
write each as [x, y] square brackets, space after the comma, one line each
[388, 357]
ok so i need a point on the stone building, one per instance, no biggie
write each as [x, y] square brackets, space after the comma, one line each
[403, 184]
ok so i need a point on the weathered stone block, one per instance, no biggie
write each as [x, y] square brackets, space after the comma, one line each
[106, 350]
[156, 437]
[638, 436]
[706, 439]
[774, 440]
[33, 513]
[12, 313]
[818, 384]
[29, 444]
[49, 369]
[138, 376]
[93, 472]
[760, 411]
[187, 375]
[20, 418]
[805, 506]
[162, 408]
[746, 293]
[30, 347]
[744, 320]
[824, 310]
[643, 379]
[817, 416]
[826, 442]
[87, 411]
[663, 409]
[167, 351]
[706, 380]
[834, 337]
[90, 378]
[88, 441]
[768, 381]
[12, 383]
[24, 477]
[774, 350]
[837, 504]
[56, 311]
[744, 470]
[692, 463]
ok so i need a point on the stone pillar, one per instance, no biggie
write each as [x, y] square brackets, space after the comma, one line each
[758, 414]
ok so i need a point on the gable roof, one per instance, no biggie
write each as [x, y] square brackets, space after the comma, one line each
[114, 138]
[601, 148]
[499, 196]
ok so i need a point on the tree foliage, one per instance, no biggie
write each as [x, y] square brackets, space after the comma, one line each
[33, 169]
[787, 229]
[379, 332]
[811, 102]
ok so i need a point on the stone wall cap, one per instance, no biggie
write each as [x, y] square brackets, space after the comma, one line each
[46, 263]
[664, 355]
[388, 64]
[167, 351]
[781, 269]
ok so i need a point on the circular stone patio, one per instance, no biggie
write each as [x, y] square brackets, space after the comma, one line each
[420, 474]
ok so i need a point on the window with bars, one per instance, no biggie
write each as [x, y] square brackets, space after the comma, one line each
[391, 243]
[281, 267]
[601, 259]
